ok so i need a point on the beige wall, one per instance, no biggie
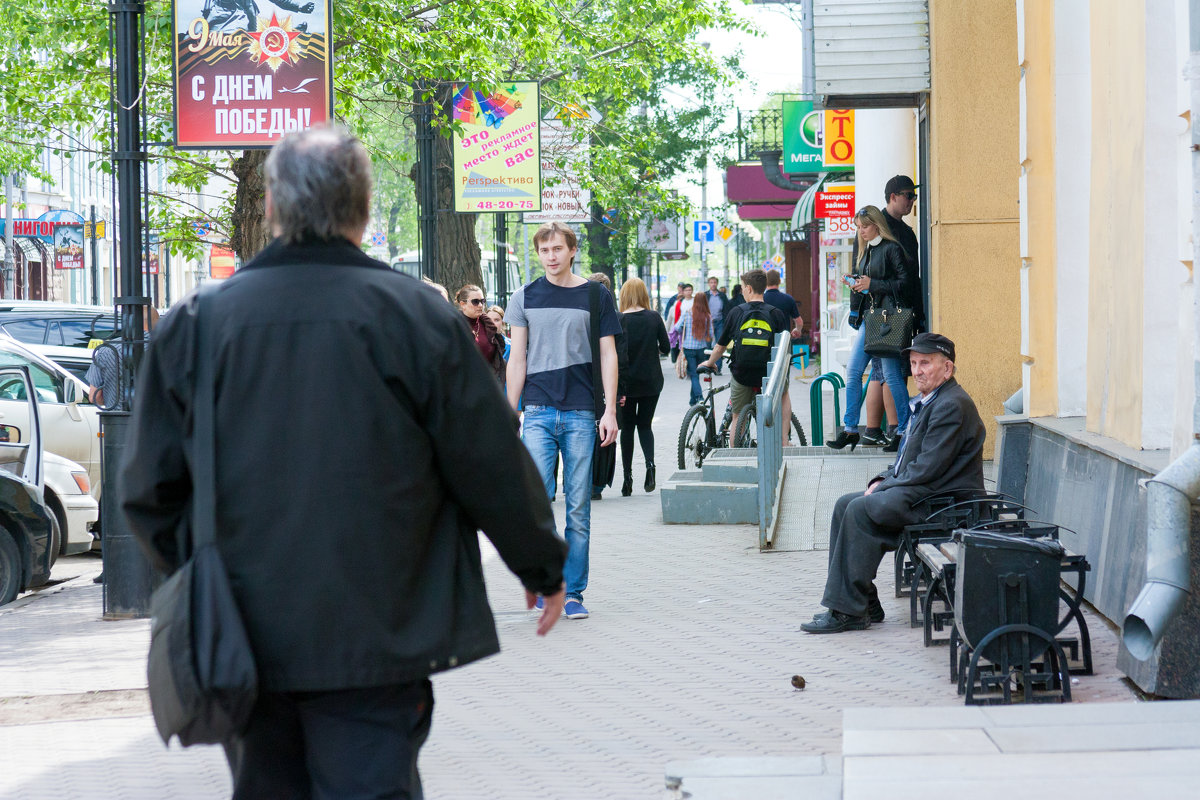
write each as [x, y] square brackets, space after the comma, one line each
[1041, 228]
[974, 166]
[1118, 192]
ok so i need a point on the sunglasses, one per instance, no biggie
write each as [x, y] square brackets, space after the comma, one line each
[477, 301]
[910, 195]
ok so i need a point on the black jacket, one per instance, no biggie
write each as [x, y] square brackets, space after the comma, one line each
[350, 406]
[943, 452]
[887, 267]
[908, 243]
[645, 338]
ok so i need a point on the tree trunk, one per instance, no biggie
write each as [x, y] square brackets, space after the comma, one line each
[458, 260]
[250, 230]
[393, 215]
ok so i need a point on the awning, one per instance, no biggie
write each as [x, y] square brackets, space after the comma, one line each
[30, 247]
[803, 213]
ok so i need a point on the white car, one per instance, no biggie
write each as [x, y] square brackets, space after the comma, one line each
[68, 496]
[70, 423]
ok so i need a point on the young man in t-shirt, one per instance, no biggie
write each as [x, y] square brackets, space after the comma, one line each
[550, 362]
[746, 378]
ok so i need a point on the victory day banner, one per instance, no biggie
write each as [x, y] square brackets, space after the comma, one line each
[249, 71]
[68, 246]
[497, 156]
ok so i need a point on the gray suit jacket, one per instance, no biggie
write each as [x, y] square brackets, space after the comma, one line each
[943, 452]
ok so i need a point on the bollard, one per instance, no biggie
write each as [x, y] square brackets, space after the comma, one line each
[128, 576]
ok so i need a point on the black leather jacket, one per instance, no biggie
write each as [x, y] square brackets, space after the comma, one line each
[887, 268]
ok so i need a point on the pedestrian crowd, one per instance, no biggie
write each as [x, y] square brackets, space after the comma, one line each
[401, 389]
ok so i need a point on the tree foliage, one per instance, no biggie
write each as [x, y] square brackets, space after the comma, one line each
[621, 57]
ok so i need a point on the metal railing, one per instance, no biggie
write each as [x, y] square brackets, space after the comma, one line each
[768, 415]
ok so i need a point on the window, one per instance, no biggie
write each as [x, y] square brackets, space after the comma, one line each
[79, 332]
[48, 385]
[27, 330]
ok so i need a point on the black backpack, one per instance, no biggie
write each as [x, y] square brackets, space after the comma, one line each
[753, 340]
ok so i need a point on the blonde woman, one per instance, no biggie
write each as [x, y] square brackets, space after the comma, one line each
[881, 274]
[646, 341]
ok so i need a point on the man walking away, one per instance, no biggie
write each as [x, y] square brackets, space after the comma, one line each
[343, 519]
[716, 307]
[750, 329]
[550, 362]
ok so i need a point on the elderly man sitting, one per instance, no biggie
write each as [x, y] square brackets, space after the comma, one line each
[941, 453]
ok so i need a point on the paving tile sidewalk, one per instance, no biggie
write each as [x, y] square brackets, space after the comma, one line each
[689, 653]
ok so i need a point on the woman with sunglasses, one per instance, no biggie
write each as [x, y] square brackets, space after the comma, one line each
[488, 340]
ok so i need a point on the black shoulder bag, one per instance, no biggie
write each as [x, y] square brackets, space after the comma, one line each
[604, 459]
[202, 676]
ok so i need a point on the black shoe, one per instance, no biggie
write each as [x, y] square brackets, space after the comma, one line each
[596, 495]
[893, 446]
[627, 485]
[836, 622]
[874, 611]
[99, 578]
[843, 439]
[872, 437]
[649, 484]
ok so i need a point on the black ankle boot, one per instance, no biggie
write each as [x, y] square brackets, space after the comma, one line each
[649, 485]
[627, 485]
[844, 438]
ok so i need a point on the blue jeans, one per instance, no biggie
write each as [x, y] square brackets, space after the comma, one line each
[694, 359]
[893, 375]
[546, 433]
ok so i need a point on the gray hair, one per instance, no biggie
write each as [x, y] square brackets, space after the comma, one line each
[320, 184]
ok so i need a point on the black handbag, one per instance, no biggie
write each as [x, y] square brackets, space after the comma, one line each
[604, 459]
[888, 330]
[202, 677]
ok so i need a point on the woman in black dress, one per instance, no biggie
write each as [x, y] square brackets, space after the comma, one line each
[646, 340]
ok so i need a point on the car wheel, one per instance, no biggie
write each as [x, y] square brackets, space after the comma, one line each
[10, 568]
[56, 539]
[58, 530]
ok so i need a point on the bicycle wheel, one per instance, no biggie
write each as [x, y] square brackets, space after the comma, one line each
[726, 424]
[747, 428]
[693, 438]
[797, 434]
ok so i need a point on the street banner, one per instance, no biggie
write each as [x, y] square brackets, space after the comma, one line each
[68, 246]
[497, 152]
[802, 131]
[660, 235]
[838, 140]
[221, 261]
[246, 75]
[563, 198]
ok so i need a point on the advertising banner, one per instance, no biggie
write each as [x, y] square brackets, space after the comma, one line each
[245, 74]
[834, 204]
[497, 154]
[68, 247]
[563, 198]
[661, 235]
[802, 130]
[838, 140]
[221, 262]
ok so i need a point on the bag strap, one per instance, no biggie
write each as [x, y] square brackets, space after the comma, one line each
[204, 492]
[594, 290]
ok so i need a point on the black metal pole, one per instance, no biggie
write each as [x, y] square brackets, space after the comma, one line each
[128, 577]
[501, 270]
[426, 178]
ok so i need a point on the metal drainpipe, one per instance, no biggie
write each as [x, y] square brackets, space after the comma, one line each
[1169, 494]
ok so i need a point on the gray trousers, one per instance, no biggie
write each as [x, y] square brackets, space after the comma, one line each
[863, 528]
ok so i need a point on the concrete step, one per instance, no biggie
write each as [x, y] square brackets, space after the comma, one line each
[730, 471]
[761, 778]
[709, 502]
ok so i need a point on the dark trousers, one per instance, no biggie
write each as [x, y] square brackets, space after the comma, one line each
[863, 529]
[636, 415]
[350, 743]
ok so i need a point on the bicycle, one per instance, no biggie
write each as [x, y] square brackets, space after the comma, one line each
[747, 428]
[698, 435]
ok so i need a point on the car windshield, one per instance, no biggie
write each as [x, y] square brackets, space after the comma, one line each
[47, 381]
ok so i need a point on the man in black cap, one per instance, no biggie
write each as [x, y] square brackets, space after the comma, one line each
[941, 453]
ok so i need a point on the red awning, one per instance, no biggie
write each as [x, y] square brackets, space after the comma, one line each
[766, 211]
[746, 183]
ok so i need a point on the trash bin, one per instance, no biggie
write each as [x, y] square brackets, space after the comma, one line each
[1006, 580]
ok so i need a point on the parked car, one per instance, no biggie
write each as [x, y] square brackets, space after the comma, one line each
[57, 324]
[70, 423]
[26, 524]
[75, 360]
[68, 496]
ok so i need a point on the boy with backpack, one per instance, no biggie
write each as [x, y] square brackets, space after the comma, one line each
[750, 328]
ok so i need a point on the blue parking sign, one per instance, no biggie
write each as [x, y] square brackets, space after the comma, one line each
[703, 230]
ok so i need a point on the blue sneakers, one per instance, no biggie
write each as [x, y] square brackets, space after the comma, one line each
[574, 609]
[540, 604]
